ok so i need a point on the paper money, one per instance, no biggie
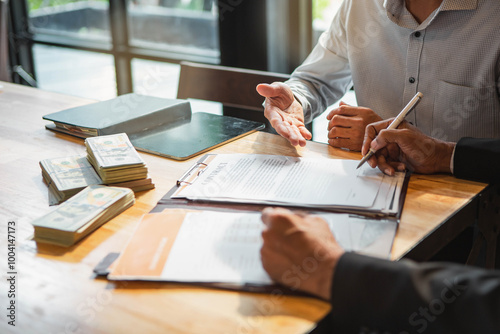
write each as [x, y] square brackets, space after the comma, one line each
[82, 214]
[68, 175]
[113, 151]
[115, 159]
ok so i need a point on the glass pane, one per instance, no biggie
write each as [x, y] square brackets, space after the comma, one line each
[155, 78]
[183, 26]
[74, 72]
[75, 18]
[323, 13]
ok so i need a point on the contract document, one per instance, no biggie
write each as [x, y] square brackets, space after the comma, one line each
[223, 248]
[311, 183]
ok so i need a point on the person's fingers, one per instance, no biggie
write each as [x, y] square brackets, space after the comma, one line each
[345, 143]
[397, 165]
[305, 133]
[267, 90]
[340, 121]
[339, 132]
[384, 166]
[373, 161]
[296, 137]
[276, 217]
[346, 110]
[277, 94]
[370, 134]
[354, 133]
[401, 138]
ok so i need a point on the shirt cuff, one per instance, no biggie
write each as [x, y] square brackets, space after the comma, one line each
[452, 163]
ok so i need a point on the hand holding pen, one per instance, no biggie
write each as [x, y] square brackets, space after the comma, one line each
[395, 123]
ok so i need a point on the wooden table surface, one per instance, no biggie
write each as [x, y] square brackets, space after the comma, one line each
[57, 291]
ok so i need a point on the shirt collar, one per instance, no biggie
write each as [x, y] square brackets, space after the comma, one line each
[394, 7]
[397, 12]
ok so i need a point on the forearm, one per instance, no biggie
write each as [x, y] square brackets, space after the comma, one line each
[324, 77]
[418, 298]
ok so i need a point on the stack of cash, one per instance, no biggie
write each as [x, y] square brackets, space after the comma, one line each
[67, 176]
[115, 159]
[82, 214]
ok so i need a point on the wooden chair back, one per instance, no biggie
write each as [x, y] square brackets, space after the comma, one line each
[233, 87]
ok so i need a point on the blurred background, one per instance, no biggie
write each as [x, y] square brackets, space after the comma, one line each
[99, 49]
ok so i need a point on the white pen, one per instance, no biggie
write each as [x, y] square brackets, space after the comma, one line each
[395, 123]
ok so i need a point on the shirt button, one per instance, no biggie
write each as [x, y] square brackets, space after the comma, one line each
[417, 34]
[411, 80]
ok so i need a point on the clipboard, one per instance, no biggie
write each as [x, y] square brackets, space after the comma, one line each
[162, 249]
[198, 168]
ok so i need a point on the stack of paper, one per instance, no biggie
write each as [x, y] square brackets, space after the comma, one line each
[115, 159]
[311, 183]
[82, 214]
[67, 176]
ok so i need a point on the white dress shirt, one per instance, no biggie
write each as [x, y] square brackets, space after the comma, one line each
[453, 58]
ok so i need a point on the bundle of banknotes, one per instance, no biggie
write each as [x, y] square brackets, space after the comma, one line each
[68, 175]
[82, 214]
[115, 159]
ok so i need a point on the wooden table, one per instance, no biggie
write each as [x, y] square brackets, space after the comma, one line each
[57, 291]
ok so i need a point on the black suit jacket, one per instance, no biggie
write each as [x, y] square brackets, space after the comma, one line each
[477, 159]
[377, 296]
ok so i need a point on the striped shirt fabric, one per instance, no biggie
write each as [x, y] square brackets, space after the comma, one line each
[453, 58]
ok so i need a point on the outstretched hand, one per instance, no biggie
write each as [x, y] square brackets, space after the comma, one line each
[406, 148]
[284, 112]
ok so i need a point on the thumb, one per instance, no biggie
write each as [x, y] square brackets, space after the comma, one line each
[342, 103]
[267, 90]
[276, 89]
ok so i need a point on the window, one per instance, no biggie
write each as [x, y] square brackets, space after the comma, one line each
[323, 13]
[188, 27]
[112, 39]
[85, 19]
[75, 72]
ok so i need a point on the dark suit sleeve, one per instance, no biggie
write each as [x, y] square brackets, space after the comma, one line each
[477, 159]
[371, 295]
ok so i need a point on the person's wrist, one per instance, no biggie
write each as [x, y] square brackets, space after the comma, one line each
[324, 285]
[445, 155]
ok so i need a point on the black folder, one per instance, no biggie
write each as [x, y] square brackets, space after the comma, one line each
[164, 127]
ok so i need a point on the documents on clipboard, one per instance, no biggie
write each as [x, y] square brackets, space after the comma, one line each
[308, 183]
[222, 249]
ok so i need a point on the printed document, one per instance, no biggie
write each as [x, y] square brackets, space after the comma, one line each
[293, 181]
[224, 247]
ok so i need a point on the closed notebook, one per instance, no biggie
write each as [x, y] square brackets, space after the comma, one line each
[164, 127]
